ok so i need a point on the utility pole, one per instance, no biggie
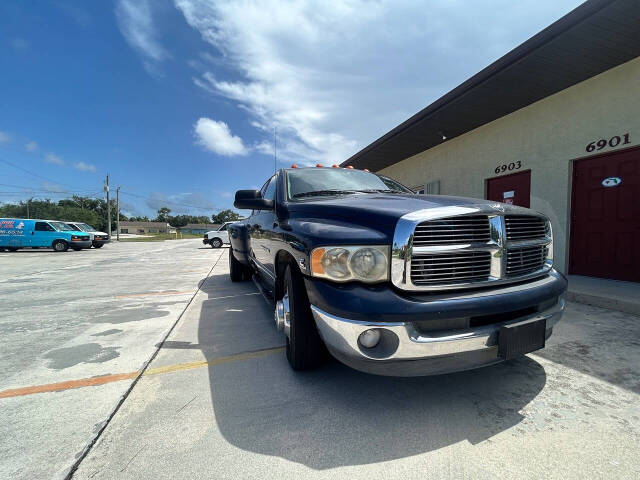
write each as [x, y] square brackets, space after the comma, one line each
[28, 199]
[118, 217]
[106, 189]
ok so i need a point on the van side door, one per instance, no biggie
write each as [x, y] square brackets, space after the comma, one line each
[43, 235]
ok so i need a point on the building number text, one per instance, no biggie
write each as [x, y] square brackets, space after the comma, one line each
[612, 142]
[508, 166]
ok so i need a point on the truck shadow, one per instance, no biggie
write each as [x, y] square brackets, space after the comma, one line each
[336, 416]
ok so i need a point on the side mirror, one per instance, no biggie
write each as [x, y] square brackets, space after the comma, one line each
[251, 200]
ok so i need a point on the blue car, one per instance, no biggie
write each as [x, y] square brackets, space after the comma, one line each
[16, 233]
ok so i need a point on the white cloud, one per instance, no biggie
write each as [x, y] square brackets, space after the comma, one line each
[84, 167]
[19, 44]
[31, 147]
[4, 137]
[135, 21]
[54, 159]
[216, 137]
[334, 75]
[52, 187]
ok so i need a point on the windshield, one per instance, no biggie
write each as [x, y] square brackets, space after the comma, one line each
[74, 227]
[62, 227]
[336, 181]
[86, 228]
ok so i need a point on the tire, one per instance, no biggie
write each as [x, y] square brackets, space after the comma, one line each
[12, 249]
[216, 243]
[98, 245]
[76, 249]
[305, 349]
[60, 246]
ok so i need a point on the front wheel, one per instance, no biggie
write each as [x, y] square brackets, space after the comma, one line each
[305, 349]
[60, 246]
[98, 245]
[216, 243]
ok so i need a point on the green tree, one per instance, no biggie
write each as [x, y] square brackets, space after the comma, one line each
[225, 216]
[163, 214]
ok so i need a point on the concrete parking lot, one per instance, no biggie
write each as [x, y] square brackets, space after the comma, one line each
[220, 401]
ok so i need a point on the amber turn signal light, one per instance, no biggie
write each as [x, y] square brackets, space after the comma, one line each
[316, 260]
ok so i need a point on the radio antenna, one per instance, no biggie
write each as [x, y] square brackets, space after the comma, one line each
[275, 151]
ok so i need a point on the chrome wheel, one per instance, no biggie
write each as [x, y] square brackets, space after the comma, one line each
[283, 314]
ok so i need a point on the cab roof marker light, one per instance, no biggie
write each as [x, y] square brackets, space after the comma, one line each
[319, 165]
[365, 170]
[349, 166]
[334, 166]
[294, 166]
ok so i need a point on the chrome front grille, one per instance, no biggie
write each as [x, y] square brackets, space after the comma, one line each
[468, 229]
[525, 227]
[469, 246]
[521, 261]
[447, 268]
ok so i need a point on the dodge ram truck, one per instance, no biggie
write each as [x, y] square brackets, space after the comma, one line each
[394, 283]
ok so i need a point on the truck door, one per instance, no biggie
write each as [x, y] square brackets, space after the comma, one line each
[262, 231]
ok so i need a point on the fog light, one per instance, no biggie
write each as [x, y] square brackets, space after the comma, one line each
[369, 338]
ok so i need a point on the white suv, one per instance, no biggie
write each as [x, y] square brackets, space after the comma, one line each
[216, 238]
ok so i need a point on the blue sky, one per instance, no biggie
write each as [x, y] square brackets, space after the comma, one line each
[177, 100]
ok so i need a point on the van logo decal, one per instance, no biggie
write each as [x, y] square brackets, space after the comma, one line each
[611, 182]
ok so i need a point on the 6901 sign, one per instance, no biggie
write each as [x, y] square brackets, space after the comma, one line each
[517, 165]
[612, 142]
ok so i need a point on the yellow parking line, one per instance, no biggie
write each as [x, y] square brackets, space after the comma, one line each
[215, 361]
[93, 381]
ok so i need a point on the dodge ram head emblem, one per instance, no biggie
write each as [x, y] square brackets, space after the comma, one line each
[498, 207]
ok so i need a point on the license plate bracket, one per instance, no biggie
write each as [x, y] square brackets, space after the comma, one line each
[516, 339]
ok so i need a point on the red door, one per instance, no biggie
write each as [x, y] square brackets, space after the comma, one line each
[605, 220]
[514, 189]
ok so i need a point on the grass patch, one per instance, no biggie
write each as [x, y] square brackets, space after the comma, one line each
[160, 237]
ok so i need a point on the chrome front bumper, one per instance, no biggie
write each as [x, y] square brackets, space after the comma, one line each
[405, 351]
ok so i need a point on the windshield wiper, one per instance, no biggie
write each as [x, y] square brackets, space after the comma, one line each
[380, 190]
[324, 192]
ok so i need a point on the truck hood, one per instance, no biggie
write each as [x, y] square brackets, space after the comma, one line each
[386, 209]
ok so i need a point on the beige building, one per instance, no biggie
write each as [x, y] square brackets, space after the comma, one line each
[554, 125]
[146, 227]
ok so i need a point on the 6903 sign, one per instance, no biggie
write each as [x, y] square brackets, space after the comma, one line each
[517, 165]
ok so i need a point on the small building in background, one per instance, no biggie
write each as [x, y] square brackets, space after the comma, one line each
[140, 228]
[199, 228]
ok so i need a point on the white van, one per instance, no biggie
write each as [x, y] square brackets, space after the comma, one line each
[98, 239]
[217, 238]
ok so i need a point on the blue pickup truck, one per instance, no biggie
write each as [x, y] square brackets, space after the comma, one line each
[394, 283]
[16, 233]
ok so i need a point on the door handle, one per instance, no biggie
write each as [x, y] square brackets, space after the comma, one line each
[275, 224]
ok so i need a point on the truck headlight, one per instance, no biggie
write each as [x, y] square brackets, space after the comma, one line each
[366, 263]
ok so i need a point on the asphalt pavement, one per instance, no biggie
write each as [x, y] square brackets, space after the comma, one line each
[80, 318]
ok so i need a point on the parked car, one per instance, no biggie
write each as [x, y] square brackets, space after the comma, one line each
[98, 239]
[17, 233]
[216, 238]
[392, 282]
